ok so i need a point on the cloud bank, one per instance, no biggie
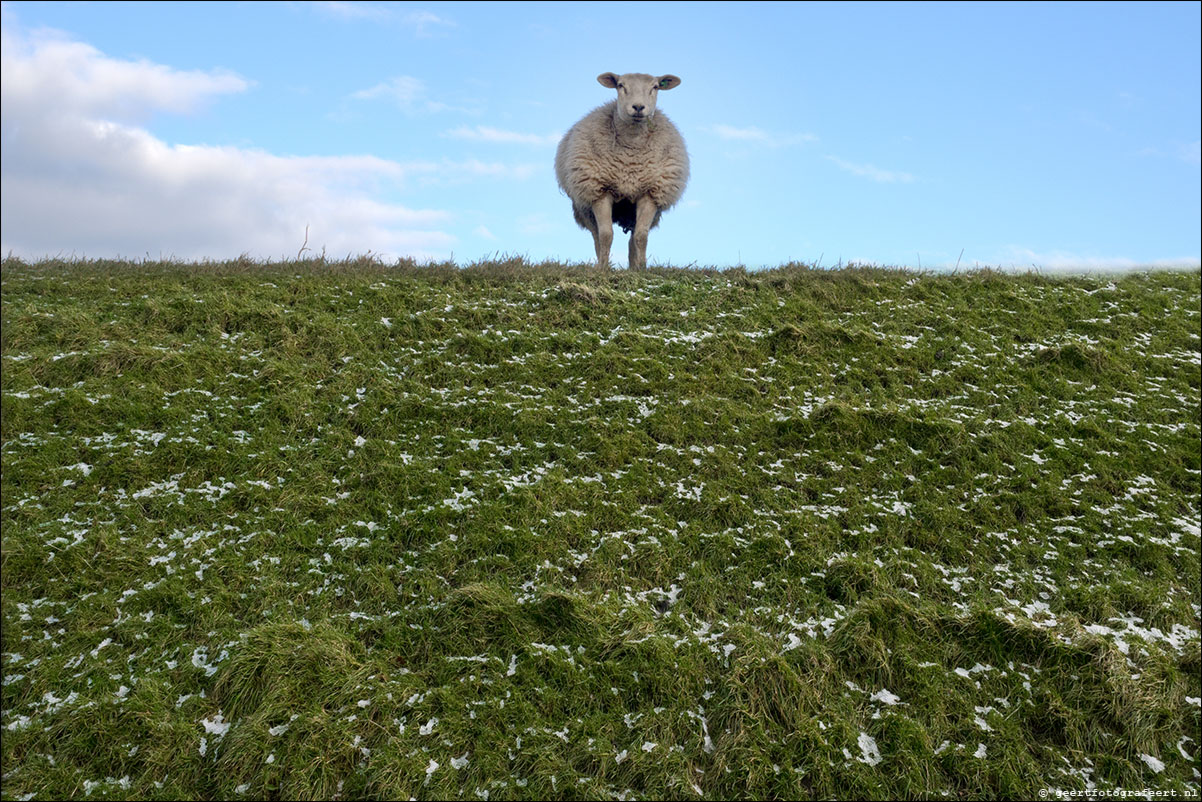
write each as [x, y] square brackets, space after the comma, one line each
[80, 176]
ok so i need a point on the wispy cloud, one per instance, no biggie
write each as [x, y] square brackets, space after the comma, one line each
[872, 172]
[408, 94]
[759, 136]
[422, 23]
[1191, 153]
[483, 133]
[452, 171]
[425, 23]
[403, 89]
[345, 10]
[1188, 152]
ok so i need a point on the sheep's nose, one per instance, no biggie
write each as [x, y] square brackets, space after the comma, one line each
[639, 107]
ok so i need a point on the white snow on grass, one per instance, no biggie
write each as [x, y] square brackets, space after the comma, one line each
[1154, 764]
[885, 696]
[869, 753]
[216, 725]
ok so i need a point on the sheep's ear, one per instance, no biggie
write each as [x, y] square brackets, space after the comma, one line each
[668, 82]
[608, 79]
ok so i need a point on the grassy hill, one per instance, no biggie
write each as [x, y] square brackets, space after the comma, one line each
[513, 531]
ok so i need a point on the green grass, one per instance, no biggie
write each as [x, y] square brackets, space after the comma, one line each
[512, 531]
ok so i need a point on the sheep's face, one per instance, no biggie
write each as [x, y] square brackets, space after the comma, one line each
[637, 93]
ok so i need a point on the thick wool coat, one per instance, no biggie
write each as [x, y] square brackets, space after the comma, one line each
[600, 154]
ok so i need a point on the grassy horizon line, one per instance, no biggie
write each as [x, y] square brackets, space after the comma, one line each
[518, 263]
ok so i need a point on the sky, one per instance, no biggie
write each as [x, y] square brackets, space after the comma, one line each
[1052, 136]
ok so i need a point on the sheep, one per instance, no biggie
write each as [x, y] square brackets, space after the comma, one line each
[623, 163]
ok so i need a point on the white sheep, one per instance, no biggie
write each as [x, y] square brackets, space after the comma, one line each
[623, 163]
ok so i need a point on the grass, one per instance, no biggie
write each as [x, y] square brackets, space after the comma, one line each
[340, 530]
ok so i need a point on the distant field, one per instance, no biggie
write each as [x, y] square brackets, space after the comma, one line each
[520, 531]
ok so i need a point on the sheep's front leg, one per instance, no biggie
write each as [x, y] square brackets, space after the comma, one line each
[644, 215]
[603, 236]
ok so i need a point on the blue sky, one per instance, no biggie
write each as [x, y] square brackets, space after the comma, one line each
[1055, 135]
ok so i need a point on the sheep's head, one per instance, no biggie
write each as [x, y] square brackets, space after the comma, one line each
[637, 93]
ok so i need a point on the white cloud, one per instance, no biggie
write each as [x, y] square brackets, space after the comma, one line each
[872, 172]
[760, 136]
[82, 81]
[121, 191]
[80, 177]
[483, 133]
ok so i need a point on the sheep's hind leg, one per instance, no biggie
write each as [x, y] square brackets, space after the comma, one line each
[603, 234]
[644, 217]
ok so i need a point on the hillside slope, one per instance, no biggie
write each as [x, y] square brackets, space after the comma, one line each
[533, 531]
